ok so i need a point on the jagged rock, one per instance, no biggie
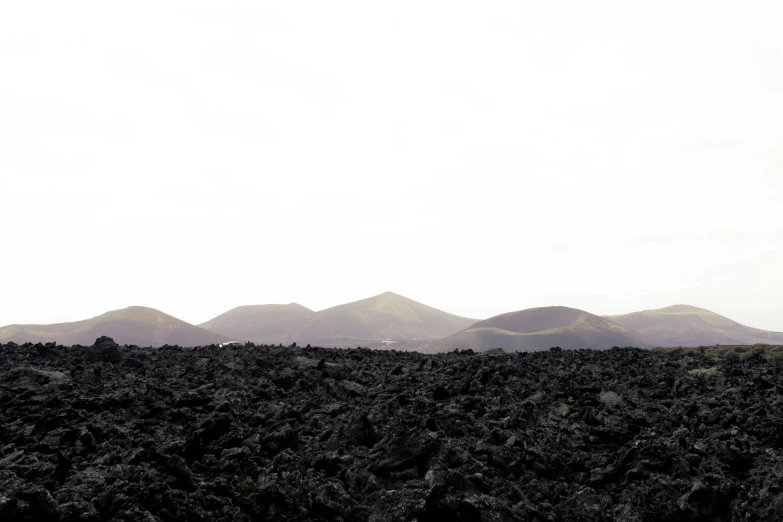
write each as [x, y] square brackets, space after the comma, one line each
[266, 433]
[104, 350]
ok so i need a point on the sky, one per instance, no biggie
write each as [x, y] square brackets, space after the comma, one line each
[479, 157]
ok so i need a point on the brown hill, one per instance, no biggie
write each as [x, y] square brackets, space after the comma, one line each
[262, 324]
[137, 325]
[386, 319]
[537, 329]
[683, 325]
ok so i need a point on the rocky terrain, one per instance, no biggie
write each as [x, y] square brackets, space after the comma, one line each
[261, 433]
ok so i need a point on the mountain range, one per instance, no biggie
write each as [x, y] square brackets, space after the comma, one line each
[386, 319]
[393, 321]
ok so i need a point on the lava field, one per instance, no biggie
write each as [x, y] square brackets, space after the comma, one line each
[269, 433]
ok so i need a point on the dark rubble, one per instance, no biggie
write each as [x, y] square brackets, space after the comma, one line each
[270, 433]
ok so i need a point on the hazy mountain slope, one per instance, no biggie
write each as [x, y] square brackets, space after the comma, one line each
[539, 329]
[137, 325]
[262, 324]
[384, 317]
[683, 325]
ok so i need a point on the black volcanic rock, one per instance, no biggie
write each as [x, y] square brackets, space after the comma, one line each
[267, 433]
[105, 350]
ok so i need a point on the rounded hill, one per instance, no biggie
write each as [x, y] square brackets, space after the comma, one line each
[137, 325]
[684, 325]
[537, 329]
[387, 317]
[263, 324]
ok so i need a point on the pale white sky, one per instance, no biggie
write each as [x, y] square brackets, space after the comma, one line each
[479, 157]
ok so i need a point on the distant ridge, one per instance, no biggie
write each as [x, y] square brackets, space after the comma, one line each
[137, 325]
[387, 319]
[394, 321]
[685, 325]
[262, 324]
[537, 329]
